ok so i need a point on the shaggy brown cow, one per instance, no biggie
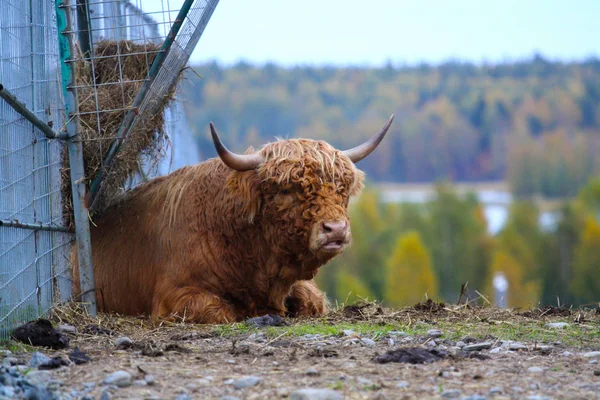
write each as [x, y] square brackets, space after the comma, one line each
[231, 237]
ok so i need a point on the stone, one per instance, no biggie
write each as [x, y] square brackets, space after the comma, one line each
[566, 354]
[477, 346]
[38, 359]
[538, 397]
[312, 372]
[41, 378]
[474, 397]
[229, 398]
[402, 385]
[434, 333]
[535, 370]
[105, 395]
[183, 396]
[123, 342]
[368, 342]
[592, 354]
[451, 394]
[202, 382]
[594, 361]
[348, 332]
[496, 350]
[364, 381]
[5, 353]
[397, 333]
[390, 342]
[557, 325]
[67, 328]
[496, 390]
[10, 361]
[140, 383]
[515, 346]
[460, 344]
[119, 378]
[315, 394]
[149, 380]
[247, 381]
[7, 391]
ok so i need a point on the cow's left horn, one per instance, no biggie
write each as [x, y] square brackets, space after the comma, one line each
[359, 152]
[238, 162]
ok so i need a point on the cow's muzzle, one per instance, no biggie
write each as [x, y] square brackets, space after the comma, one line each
[330, 236]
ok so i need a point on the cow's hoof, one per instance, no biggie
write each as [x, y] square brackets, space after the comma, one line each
[266, 320]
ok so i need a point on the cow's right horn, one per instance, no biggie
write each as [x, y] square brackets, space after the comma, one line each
[238, 162]
[359, 152]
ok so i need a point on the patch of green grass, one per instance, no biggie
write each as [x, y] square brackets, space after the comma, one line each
[16, 347]
[526, 331]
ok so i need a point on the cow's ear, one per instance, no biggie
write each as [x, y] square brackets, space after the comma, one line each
[246, 187]
[357, 186]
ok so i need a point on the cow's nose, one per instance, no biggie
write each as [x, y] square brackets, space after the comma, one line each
[335, 230]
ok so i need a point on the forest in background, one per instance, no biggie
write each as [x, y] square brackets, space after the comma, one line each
[535, 123]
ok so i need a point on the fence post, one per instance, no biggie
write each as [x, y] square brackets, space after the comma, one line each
[75, 147]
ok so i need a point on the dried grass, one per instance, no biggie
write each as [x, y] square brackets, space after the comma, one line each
[106, 92]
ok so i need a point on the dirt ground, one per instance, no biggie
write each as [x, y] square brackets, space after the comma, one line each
[522, 356]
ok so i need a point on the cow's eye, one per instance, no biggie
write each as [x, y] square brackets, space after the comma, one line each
[284, 191]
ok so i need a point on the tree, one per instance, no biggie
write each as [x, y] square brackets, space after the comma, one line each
[457, 241]
[410, 276]
[521, 292]
[585, 285]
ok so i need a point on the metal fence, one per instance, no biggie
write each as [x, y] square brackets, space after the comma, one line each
[34, 265]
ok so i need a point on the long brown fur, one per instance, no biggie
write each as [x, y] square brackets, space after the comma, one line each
[214, 245]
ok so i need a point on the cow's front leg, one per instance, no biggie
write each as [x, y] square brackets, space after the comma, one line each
[306, 299]
[191, 304]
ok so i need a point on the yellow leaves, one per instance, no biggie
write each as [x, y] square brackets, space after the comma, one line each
[410, 275]
[521, 292]
[586, 264]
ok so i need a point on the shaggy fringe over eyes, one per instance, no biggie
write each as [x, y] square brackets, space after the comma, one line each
[316, 153]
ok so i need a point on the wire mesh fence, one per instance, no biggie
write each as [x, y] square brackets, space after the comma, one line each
[34, 266]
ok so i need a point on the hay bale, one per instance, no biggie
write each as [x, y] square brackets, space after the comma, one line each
[106, 90]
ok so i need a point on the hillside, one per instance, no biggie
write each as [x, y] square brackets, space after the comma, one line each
[535, 122]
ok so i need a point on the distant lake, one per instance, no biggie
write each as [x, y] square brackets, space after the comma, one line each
[495, 198]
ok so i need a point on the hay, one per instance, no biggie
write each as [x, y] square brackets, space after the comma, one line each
[102, 109]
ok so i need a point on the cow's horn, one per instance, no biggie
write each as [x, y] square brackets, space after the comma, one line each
[234, 161]
[359, 152]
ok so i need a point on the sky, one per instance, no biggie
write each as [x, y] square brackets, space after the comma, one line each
[350, 32]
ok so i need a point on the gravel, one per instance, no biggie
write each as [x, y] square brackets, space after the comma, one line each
[123, 342]
[434, 333]
[118, 378]
[38, 359]
[315, 394]
[557, 325]
[477, 346]
[247, 381]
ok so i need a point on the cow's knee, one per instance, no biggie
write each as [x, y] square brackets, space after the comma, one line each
[306, 299]
[193, 305]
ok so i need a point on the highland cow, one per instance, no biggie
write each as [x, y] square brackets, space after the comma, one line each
[229, 238]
